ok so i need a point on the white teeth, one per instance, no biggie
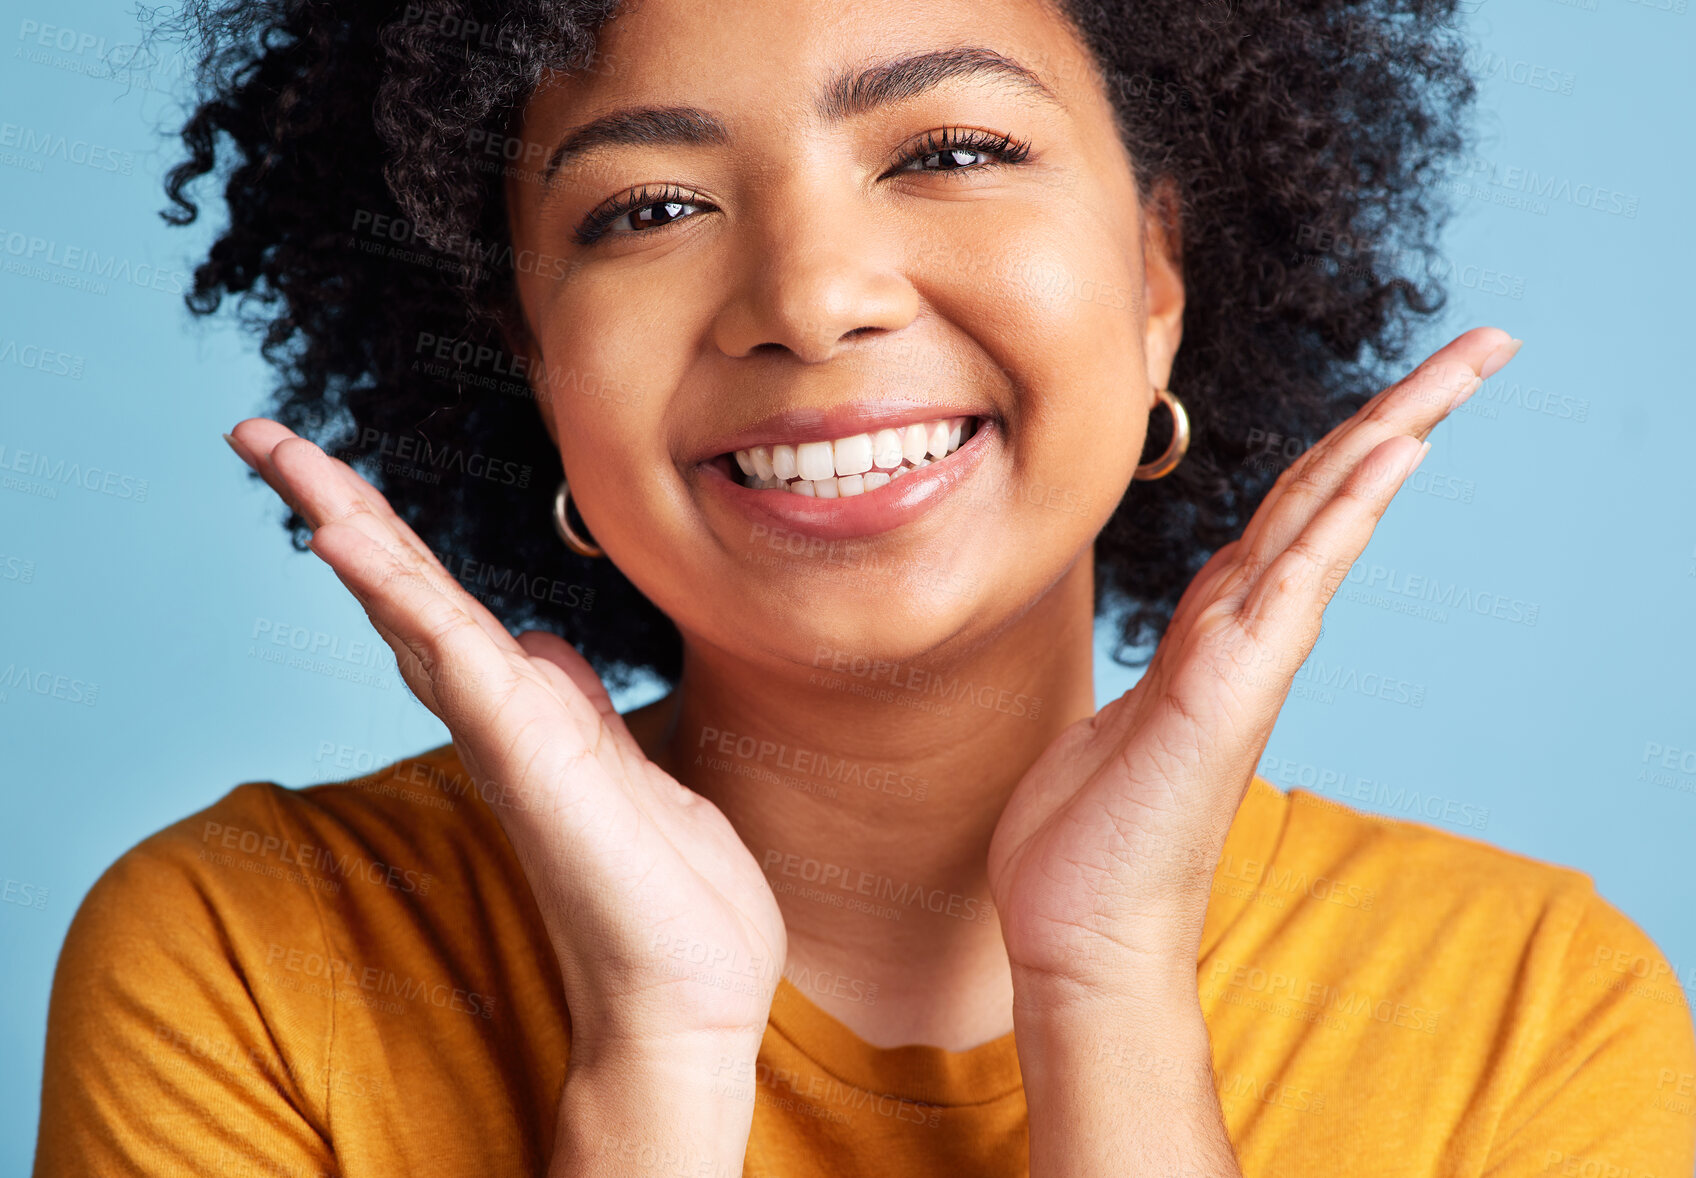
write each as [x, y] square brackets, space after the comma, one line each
[914, 442]
[852, 465]
[853, 455]
[814, 460]
[886, 449]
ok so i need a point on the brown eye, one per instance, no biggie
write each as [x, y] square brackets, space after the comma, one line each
[650, 216]
[639, 211]
[943, 161]
[959, 149]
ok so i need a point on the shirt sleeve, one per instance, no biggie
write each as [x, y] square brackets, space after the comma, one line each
[171, 1048]
[1607, 1075]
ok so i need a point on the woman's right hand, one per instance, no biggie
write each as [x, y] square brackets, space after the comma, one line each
[669, 939]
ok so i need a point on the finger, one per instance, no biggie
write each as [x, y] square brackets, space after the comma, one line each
[257, 440]
[1204, 588]
[1283, 609]
[1412, 406]
[551, 648]
[475, 688]
[329, 491]
[254, 439]
[465, 673]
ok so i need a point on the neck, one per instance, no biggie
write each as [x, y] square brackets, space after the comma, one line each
[868, 793]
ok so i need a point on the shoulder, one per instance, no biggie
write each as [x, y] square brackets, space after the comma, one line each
[279, 954]
[281, 898]
[1465, 925]
[1504, 992]
[1372, 859]
[1519, 965]
[301, 850]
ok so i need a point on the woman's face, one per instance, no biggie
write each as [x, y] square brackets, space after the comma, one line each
[818, 229]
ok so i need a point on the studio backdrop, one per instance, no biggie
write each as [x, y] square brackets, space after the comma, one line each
[1513, 659]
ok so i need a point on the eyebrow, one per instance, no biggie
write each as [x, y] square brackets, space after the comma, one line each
[845, 96]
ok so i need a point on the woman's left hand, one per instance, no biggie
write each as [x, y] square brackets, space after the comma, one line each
[1102, 864]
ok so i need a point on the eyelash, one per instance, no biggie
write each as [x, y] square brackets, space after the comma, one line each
[1002, 150]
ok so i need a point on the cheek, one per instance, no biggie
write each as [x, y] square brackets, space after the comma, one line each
[1055, 303]
[605, 379]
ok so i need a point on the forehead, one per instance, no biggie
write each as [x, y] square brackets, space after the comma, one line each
[781, 56]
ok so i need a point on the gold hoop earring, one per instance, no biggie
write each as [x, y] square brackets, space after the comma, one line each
[562, 525]
[1176, 448]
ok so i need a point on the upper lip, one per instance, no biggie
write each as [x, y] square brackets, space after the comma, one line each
[827, 423]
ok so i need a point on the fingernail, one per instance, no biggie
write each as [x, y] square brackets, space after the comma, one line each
[1498, 359]
[1466, 390]
[237, 447]
[1417, 459]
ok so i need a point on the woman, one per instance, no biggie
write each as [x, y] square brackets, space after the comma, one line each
[848, 325]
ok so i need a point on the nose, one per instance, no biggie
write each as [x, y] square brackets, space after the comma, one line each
[815, 276]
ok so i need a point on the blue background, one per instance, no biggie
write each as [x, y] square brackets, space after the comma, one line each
[1566, 484]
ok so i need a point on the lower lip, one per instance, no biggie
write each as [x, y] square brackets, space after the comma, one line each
[899, 501]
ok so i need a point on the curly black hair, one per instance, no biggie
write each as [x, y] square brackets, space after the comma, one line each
[363, 145]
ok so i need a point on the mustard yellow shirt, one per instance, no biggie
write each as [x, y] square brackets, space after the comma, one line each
[353, 980]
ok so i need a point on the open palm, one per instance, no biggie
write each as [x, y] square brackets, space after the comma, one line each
[662, 921]
[1103, 857]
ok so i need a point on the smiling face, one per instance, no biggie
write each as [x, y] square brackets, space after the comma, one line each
[881, 305]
